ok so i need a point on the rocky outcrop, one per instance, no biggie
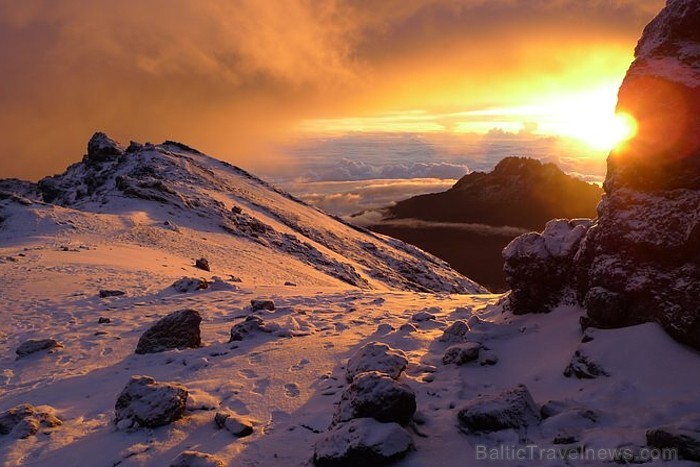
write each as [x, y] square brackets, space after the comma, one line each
[640, 260]
[178, 330]
[147, 403]
[25, 420]
[513, 408]
[683, 436]
[33, 346]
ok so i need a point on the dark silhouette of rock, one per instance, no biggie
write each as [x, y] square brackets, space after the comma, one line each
[539, 266]
[110, 293]
[262, 304]
[460, 354]
[190, 284]
[32, 346]
[249, 327]
[235, 424]
[203, 264]
[362, 442]
[102, 148]
[178, 330]
[684, 436]
[103, 320]
[376, 356]
[376, 395]
[197, 459]
[24, 420]
[513, 408]
[147, 403]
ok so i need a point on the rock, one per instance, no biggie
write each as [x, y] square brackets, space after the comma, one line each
[103, 320]
[32, 346]
[460, 354]
[539, 266]
[455, 332]
[190, 284]
[102, 148]
[376, 395]
[583, 368]
[379, 357]
[513, 408]
[362, 441]
[261, 304]
[178, 330]
[197, 459]
[290, 284]
[487, 358]
[237, 425]
[684, 436]
[565, 424]
[422, 316]
[250, 326]
[203, 264]
[24, 420]
[147, 403]
[111, 293]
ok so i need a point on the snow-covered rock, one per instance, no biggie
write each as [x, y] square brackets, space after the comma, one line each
[262, 304]
[196, 459]
[582, 367]
[249, 327]
[190, 284]
[362, 441]
[455, 332]
[379, 357]
[684, 436]
[235, 424]
[512, 408]
[376, 395]
[460, 354]
[25, 420]
[32, 346]
[147, 403]
[178, 330]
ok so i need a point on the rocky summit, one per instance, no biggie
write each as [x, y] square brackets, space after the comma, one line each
[640, 260]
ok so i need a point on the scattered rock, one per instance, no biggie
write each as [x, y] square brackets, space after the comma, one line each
[236, 210]
[190, 284]
[513, 408]
[583, 368]
[236, 425]
[376, 395]
[31, 346]
[170, 225]
[455, 332]
[425, 315]
[290, 284]
[197, 459]
[178, 330]
[362, 441]
[407, 328]
[250, 326]
[203, 264]
[24, 420]
[487, 358]
[147, 403]
[262, 304]
[460, 354]
[111, 293]
[103, 320]
[683, 436]
[379, 357]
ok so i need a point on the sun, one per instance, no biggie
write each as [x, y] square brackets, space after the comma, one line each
[605, 131]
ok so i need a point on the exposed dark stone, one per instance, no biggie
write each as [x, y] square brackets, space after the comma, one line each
[25, 420]
[684, 436]
[583, 368]
[203, 264]
[102, 148]
[32, 346]
[460, 354]
[249, 327]
[147, 403]
[111, 293]
[376, 395]
[262, 304]
[103, 320]
[513, 408]
[178, 330]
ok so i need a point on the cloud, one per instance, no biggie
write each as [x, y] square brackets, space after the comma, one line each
[348, 169]
[376, 218]
[234, 78]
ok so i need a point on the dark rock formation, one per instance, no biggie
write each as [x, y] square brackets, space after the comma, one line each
[178, 330]
[362, 442]
[582, 367]
[251, 326]
[147, 403]
[513, 408]
[105, 293]
[25, 420]
[203, 264]
[32, 346]
[376, 356]
[684, 436]
[262, 304]
[460, 354]
[375, 395]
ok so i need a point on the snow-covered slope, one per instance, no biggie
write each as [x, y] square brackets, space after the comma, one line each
[172, 199]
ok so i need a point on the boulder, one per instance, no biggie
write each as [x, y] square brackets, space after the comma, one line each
[147, 403]
[362, 442]
[189, 284]
[178, 330]
[111, 293]
[262, 304]
[24, 420]
[102, 148]
[249, 327]
[683, 436]
[203, 264]
[32, 346]
[379, 357]
[513, 408]
[235, 424]
[376, 395]
[455, 332]
[197, 459]
[460, 354]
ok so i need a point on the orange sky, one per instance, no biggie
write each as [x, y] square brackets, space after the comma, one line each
[235, 78]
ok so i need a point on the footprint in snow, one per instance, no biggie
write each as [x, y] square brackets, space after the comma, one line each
[250, 374]
[300, 366]
[291, 390]
[261, 386]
